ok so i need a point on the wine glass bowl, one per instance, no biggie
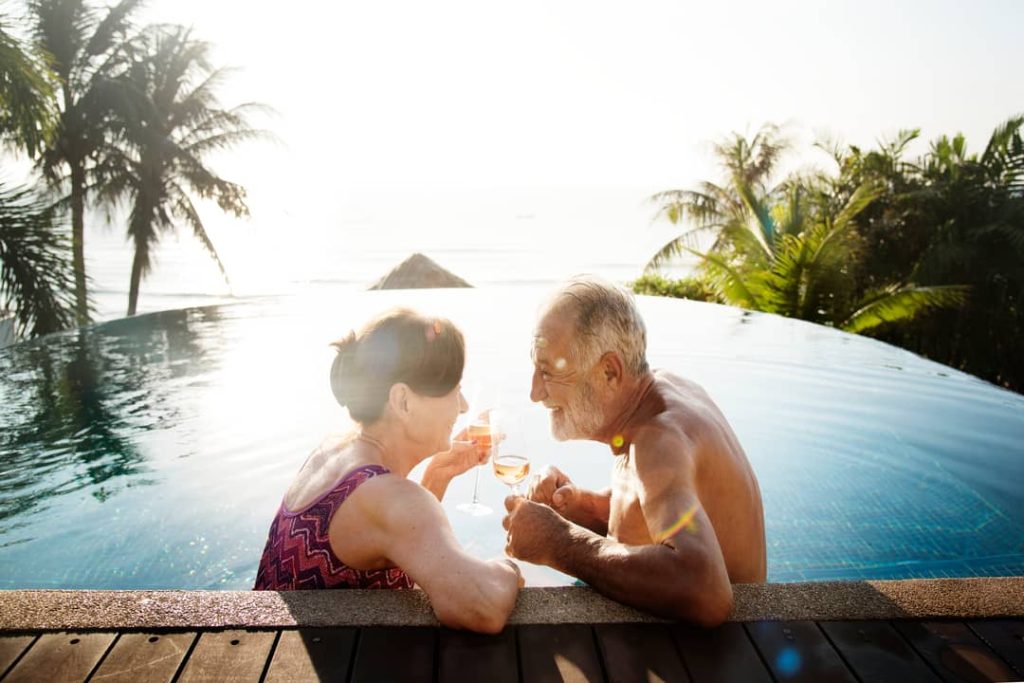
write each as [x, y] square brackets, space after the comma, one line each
[509, 456]
[511, 469]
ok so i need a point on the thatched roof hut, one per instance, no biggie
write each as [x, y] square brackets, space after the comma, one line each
[419, 272]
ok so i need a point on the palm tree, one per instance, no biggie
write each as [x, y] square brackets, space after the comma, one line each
[735, 213]
[792, 249]
[27, 107]
[975, 207]
[86, 53]
[35, 276]
[809, 271]
[174, 124]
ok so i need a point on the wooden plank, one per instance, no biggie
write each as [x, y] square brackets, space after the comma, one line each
[877, 652]
[720, 654]
[1006, 637]
[61, 657]
[954, 651]
[312, 654]
[466, 656]
[559, 652]
[150, 657]
[798, 651]
[395, 654]
[11, 648]
[639, 652]
[230, 656]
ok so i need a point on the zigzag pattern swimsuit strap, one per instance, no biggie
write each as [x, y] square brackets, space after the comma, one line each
[298, 554]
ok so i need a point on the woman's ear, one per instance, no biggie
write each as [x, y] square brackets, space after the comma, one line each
[399, 400]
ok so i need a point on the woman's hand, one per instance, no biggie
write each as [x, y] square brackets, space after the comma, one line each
[464, 455]
[445, 466]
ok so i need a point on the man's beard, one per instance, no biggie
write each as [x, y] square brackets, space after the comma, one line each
[580, 418]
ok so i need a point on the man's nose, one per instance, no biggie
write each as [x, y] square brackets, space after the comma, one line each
[537, 390]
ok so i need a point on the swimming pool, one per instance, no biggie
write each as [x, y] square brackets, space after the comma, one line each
[152, 452]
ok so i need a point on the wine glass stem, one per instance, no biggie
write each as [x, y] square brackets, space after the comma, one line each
[476, 486]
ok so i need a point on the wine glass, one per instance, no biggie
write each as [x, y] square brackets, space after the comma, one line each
[510, 457]
[478, 430]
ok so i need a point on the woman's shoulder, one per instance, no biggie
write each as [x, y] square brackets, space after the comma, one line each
[391, 500]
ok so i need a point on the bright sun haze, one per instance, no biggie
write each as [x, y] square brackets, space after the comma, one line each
[542, 127]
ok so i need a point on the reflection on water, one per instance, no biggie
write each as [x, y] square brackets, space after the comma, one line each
[72, 404]
[152, 452]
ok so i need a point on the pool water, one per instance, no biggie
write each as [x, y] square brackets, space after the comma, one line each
[152, 452]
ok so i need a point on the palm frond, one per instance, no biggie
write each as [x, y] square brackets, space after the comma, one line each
[728, 282]
[901, 303]
[112, 27]
[36, 278]
[184, 208]
[28, 112]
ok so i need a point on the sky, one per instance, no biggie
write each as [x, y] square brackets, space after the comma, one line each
[596, 94]
[459, 121]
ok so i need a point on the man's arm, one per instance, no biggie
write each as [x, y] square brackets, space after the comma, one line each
[681, 575]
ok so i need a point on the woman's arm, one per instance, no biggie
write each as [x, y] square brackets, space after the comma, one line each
[404, 524]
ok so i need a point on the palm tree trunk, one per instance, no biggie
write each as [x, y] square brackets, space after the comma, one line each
[78, 241]
[133, 288]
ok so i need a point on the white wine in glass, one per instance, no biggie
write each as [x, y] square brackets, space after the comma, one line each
[479, 430]
[511, 464]
[512, 469]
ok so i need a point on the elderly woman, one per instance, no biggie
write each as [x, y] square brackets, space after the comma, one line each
[351, 518]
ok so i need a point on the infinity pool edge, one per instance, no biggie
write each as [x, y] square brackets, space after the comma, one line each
[24, 610]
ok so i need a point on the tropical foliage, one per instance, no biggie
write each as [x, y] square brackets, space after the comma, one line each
[35, 275]
[171, 125]
[27, 106]
[86, 51]
[929, 254]
[109, 113]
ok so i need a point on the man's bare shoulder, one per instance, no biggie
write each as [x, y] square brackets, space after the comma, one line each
[684, 407]
[661, 446]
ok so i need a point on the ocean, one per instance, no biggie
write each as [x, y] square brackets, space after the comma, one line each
[487, 237]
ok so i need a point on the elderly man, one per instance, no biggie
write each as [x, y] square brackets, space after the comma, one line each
[682, 519]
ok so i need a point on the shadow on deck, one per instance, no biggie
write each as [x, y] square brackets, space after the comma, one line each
[960, 629]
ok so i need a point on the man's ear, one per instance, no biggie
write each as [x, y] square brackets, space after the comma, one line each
[398, 399]
[612, 369]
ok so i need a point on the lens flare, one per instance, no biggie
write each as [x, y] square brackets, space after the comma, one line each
[560, 364]
[617, 441]
[788, 661]
[684, 522]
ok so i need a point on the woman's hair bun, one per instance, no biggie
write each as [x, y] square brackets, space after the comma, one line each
[397, 346]
[346, 348]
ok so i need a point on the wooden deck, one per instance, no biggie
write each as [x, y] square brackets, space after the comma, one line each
[901, 650]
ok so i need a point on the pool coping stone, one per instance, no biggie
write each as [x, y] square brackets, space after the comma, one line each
[34, 610]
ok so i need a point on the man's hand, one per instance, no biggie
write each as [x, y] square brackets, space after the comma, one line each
[534, 530]
[581, 506]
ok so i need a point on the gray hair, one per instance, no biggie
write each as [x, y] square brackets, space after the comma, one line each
[607, 319]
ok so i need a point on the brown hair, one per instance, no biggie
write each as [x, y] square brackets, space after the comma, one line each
[400, 345]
